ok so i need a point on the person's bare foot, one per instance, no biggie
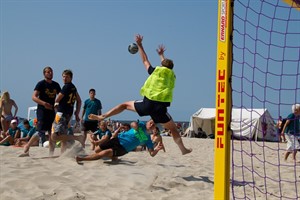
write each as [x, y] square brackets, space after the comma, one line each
[26, 151]
[78, 160]
[187, 151]
[24, 154]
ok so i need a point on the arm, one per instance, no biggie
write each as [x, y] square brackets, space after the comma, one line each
[144, 57]
[16, 107]
[160, 51]
[1, 106]
[102, 140]
[156, 149]
[116, 132]
[58, 99]
[78, 106]
[18, 134]
[83, 112]
[285, 125]
[36, 99]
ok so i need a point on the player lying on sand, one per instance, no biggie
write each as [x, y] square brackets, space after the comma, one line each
[124, 143]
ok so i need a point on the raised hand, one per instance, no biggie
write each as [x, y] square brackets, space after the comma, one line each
[161, 49]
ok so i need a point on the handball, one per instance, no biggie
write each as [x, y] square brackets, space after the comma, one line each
[133, 48]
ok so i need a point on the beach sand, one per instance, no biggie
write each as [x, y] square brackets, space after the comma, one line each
[137, 175]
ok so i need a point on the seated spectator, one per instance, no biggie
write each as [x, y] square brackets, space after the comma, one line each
[156, 138]
[101, 135]
[12, 134]
[26, 133]
[200, 133]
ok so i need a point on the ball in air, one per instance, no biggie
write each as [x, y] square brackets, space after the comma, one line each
[133, 48]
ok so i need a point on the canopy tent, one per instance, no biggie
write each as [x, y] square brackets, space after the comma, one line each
[257, 124]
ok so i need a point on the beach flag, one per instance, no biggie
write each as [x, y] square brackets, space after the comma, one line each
[293, 3]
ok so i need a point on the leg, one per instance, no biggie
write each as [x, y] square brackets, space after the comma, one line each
[98, 149]
[2, 124]
[129, 105]
[286, 155]
[63, 146]
[294, 154]
[176, 136]
[96, 156]
[56, 137]
[51, 145]
[92, 138]
[34, 139]
[284, 139]
[7, 139]
[85, 136]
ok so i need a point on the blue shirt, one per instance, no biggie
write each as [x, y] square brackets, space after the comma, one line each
[293, 127]
[91, 107]
[12, 132]
[131, 139]
[28, 132]
[101, 133]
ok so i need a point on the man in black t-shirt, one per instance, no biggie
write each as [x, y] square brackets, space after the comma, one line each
[64, 105]
[44, 95]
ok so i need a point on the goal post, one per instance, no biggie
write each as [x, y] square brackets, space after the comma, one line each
[223, 101]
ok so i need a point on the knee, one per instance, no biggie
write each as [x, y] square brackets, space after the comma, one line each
[123, 105]
[54, 137]
[98, 149]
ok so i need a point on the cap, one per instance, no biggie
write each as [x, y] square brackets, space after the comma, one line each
[14, 121]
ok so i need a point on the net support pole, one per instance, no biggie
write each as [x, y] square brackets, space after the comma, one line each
[223, 101]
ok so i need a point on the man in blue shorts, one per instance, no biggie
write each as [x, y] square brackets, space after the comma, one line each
[157, 92]
[44, 95]
[124, 143]
[91, 106]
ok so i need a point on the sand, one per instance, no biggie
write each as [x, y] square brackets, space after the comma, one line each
[137, 175]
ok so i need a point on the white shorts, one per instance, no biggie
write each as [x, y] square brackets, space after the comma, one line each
[292, 142]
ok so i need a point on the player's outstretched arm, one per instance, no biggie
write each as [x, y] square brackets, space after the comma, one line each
[160, 51]
[138, 40]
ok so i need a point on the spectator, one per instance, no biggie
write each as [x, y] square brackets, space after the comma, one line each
[26, 133]
[100, 136]
[6, 105]
[12, 134]
[291, 131]
[91, 106]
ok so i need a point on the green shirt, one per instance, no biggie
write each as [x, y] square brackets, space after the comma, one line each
[160, 85]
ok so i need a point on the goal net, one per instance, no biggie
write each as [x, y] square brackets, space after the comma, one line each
[265, 84]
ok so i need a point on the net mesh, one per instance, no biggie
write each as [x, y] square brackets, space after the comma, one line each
[265, 74]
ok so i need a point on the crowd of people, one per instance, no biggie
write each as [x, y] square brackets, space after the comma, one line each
[55, 107]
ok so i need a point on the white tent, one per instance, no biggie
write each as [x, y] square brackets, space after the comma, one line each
[245, 123]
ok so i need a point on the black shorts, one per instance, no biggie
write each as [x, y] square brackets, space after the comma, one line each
[114, 144]
[90, 126]
[45, 119]
[157, 110]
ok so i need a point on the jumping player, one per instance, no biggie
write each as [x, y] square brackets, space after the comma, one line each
[157, 92]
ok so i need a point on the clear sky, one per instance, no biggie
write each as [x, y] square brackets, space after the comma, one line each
[91, 37]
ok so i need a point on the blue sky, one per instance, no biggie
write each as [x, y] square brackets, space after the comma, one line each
[91, 38]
